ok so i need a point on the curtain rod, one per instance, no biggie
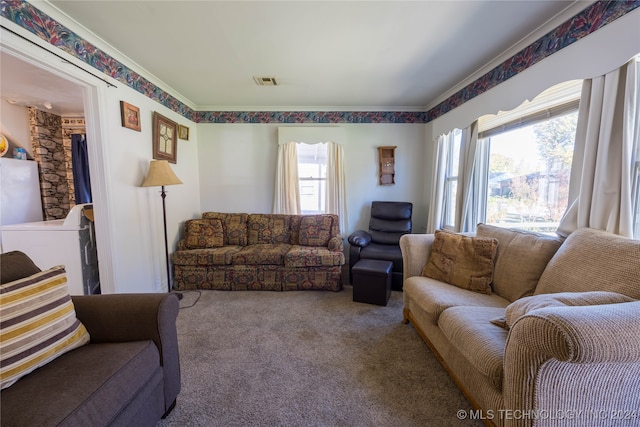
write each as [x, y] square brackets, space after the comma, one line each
[58, 56]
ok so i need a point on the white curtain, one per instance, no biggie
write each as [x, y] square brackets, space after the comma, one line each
[606, 149]
[436, 208]
[475, 198]
[472, 181]
[286, 199]
[336, 185]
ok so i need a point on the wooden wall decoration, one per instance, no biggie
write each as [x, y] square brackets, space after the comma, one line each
[386, 159]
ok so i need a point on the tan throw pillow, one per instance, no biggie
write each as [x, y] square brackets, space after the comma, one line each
[466, 262]
[523, 306]
[522, 257]
[38, 323]
[204, 233]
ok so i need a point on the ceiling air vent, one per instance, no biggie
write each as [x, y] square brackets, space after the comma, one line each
[265, 81]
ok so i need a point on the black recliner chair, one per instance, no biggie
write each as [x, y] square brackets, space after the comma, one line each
[389, 221]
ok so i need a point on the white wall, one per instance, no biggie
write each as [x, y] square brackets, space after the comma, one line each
[136, 212]
[237, 168]
[14, 125]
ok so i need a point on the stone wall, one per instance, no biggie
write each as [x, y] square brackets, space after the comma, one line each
[51, 140]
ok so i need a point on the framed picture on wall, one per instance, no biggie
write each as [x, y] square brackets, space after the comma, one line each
[183, 132]
[130, 116]
[165, 138]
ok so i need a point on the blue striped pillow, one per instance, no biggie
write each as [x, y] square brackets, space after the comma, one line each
[37, 323]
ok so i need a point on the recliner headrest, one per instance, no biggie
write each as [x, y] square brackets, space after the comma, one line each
[391, 210]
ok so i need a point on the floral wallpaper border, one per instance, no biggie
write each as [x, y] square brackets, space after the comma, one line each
[586, 22]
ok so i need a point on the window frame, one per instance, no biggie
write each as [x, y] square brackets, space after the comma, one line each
[321, 180]
[451, 174]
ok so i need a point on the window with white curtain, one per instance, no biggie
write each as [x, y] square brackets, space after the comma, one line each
[312, 177]
[451, 179]
[531, 150]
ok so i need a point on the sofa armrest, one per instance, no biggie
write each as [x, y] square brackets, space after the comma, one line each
[336, 244]
[416, 249]
[556, 352]
[360, 238]
[136, 317]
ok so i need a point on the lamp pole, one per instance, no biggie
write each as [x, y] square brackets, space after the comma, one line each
[160, 174]
[163, 194]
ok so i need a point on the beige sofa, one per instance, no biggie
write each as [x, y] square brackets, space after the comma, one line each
[570, 355]
[240, 251]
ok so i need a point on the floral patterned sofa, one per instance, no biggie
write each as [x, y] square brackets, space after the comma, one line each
[240, 251]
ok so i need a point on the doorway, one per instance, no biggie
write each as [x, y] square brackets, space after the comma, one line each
[45, 79]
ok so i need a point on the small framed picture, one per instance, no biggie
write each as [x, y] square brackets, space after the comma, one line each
[165, 138]
[183, 132]
[130, 116]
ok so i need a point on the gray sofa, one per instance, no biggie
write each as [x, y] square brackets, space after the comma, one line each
[127, 375]
[555, 342]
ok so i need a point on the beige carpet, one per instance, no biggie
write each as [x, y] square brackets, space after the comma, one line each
[306, 358]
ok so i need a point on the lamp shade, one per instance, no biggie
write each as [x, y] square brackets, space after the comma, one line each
[160, 173]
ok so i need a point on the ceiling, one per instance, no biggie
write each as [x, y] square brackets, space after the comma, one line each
[30, 86]
[373, 55]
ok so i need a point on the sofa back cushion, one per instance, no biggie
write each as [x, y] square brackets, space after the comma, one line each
[315, 230]
[522, 257]
[462, 261]
[204, 233]
[38, 323]
[234, 226]
[593, 260]
[268, 229]
[16, 265]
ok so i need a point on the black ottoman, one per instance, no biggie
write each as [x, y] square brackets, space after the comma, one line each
[372, 281]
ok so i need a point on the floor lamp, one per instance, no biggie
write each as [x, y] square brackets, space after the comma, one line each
[159, 175]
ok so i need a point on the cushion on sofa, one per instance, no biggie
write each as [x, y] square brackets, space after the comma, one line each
[16, 265]
[89, 386]
[38, 323]
[512, 278]
[204, 233]
[433, 297]
[471, 333]
[315, 230]
[261, 254]
[204, 257]
[607, 262]
[463, 261]
[523, 306]
[312, 256]
[234, 225]
[267, 228]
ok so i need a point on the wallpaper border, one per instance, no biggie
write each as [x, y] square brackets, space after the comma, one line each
[584, 23]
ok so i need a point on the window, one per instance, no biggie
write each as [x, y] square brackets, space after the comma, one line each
[451, 179]
[529, 170]
[531, 150]
[312, 177]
